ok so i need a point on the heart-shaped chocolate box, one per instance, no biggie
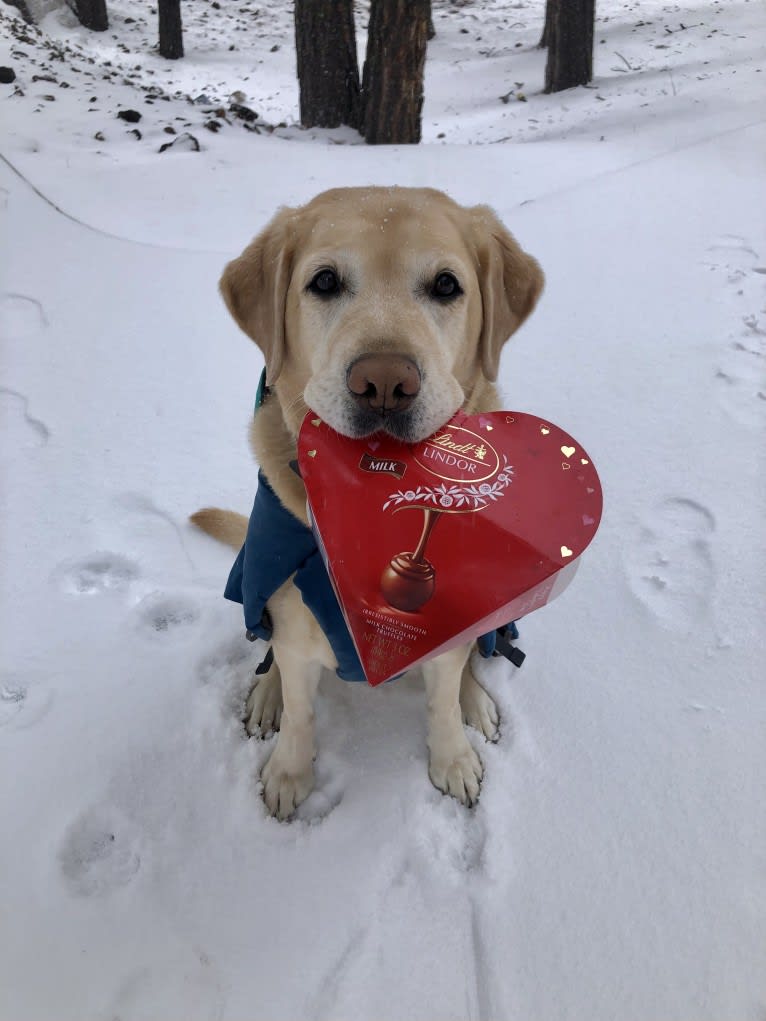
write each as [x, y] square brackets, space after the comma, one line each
[435, 543]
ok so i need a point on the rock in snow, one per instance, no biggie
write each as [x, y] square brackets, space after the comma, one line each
[184, 143]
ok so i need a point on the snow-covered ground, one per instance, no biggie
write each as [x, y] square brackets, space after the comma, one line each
[614, 867]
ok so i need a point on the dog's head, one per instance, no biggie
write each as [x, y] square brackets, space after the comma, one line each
[379, 308]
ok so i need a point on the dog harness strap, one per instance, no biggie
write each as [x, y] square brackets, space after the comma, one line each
[497, 642]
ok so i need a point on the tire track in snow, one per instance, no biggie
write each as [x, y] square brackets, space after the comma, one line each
[419, 869]
[325, 999]
[98, 230]
[603, 175]
[36, 426]
[324, 1002]
[485, 995]
[482, 968]
[140, 505]
[555, 193]
[449, 850]
[153, 991]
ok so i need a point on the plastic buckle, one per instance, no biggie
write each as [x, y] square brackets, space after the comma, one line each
[504, 647]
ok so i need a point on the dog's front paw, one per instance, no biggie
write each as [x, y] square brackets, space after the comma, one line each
[284, 786]
[458, 774]
[263, 712]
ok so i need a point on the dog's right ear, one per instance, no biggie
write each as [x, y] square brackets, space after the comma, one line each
[511, 282]
[254, 287]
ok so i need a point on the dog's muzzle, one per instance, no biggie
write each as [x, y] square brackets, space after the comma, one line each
[384, 384]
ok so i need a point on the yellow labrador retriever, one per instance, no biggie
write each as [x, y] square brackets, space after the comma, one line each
[379, 309]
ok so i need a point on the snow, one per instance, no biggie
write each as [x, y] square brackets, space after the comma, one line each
[614, 864]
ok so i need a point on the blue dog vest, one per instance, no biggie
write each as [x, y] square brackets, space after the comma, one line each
[277, 546]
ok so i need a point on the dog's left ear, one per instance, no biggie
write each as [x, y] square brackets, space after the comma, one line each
[254, 287]
[511, 282]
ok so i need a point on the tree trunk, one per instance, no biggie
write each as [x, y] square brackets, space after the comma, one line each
[545, 38]
[393, 71]
[171, 30]
[570, 46]
[328, 73]
[21, 7]
[92, 14]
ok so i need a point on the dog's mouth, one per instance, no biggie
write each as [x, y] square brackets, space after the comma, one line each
[383, 389]
[385, 394]
[406, 426]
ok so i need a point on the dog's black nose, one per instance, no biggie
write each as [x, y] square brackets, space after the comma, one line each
[386, 383]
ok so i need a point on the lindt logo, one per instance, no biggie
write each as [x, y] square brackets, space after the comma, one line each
[382, 466]
[458, 455]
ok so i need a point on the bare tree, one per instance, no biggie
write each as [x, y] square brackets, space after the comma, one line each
[21, 7]
[570, 44]
[550, 6]
[92, 14]
[392, 83]
[328, 73]
[171, 29]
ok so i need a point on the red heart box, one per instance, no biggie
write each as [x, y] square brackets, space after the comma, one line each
[432, 544]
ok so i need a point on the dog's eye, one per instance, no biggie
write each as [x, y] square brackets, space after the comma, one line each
[446, 286]
[325, 284]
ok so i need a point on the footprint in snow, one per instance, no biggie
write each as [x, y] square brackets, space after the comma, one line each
[741, 374]
[166, 614]
[669, 564]
[22, 701]
[741, 371]
[20, 316]
[734, 257]
[96, 574]
[100, 852]
[328, 791]
[445, 840]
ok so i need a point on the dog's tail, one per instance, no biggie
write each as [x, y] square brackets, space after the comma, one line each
[226, 526]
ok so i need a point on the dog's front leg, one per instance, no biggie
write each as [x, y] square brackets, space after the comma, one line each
[263, 710]
[288, 776]
[454, 767]
[478, 706]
